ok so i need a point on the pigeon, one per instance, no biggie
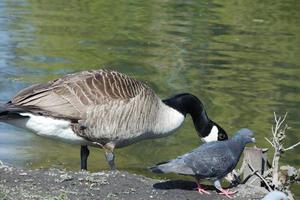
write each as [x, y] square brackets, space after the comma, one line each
[275, 195]
[212, 160]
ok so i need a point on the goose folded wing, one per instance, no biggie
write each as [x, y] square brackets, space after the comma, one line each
[71, 95]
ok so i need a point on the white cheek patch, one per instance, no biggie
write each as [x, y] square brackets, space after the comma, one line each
[213, 135]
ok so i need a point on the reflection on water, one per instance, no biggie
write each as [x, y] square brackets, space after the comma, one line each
[241, 59]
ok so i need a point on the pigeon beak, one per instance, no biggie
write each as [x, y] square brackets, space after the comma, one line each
[253, 139]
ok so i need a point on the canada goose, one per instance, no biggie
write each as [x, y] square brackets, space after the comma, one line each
[103, 108]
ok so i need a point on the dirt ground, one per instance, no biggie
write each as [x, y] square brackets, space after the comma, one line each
[54, 184]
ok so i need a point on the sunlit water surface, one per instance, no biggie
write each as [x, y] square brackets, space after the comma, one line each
[241, 58]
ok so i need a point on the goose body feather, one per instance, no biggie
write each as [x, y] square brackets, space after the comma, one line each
[59, 129]
[95, 106]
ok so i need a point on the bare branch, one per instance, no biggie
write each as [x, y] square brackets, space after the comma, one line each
[291, 147]
[248, 177]
[267, 173]
[285, 128]
[260, 176]
[281, 120]
[282, 137]
[273, 130]
[275, 117]
[290, 195]
[271, 177]
[285, 116]
[270, 142]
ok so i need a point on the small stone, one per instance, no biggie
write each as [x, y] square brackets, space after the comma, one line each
[132, 190]
[111, 196]
[65, 177]
[98, 174]
[100, 180]
[90, 179]
[93, 186]
[80, 179]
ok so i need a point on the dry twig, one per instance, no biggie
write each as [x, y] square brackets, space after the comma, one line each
[279, 134]
[260, 176]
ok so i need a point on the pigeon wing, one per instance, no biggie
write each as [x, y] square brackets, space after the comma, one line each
[211, 160]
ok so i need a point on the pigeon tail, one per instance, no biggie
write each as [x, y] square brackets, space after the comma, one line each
[173, 166]
[156, 169]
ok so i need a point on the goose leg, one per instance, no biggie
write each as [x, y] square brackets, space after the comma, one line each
[84, 154]
[109, 155]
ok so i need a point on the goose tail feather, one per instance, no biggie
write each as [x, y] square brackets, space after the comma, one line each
[9, 112]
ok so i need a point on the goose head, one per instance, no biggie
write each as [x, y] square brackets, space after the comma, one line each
[206, 128]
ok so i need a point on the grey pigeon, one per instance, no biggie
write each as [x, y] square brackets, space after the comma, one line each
[212, 160]
[275, 195]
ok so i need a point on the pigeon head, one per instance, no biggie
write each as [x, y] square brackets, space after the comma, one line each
[244, 136]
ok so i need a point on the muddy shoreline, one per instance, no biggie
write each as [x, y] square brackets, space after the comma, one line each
[17, 183]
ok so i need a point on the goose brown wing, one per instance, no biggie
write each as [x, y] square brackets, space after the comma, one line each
[69, 96]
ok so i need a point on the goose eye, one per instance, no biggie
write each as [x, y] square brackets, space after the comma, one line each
[221, 136]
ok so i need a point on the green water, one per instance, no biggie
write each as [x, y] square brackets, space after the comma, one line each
[240, 57]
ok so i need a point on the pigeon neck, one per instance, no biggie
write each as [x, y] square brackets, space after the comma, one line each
[189, 104]
[239, 141]
[237, 146]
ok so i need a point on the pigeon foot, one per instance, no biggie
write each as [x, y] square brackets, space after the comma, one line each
[201, 190]
[227, 193]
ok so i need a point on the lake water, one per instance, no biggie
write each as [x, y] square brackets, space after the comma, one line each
[240, 58]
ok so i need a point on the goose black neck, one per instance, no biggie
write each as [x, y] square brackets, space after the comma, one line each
[190, 104]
